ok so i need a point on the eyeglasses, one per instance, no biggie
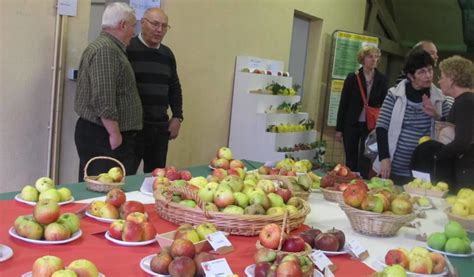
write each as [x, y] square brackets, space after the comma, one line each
[157, 24]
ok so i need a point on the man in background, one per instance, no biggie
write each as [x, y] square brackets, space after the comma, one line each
[159, 87]
[107, 101]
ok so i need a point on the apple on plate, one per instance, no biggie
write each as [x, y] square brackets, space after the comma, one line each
[46, 266]
[132, 231]
[136, 217]
[222, 163]
[56, 231]
[149, 231]
[326, 242]
[70, 220]
[44, 183]
[29, 193]
[64, 273]
[158, 172]
[109, 211]
[46, 211]
[439, 263]
[420, 264]
[396, 256]
[116, 228]
[52, 194]
[83, 267]
[236, 164]
[437, 240]
[341, 237]
[224, 153]
[294, 244]
[262, 269]
[199, 259]
[116, 197]
[27, 227]
[160, 263]
[183, 247]
[130, 207]
[270, 236]
[182, 266]
[65, 194]
[116, 174]
[94, 207]
[454, 230]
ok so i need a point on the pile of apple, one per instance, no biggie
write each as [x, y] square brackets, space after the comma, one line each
[331, 182]
[287, 167]
[453, 240]
[47, 223]
[195, 235]
[115, 206]
[134, 228]
[333, 240]
[269, 263]
[418, 260]
[54, 266]
[463, 203]
[269, 238]
[424, 184]
[358, 196]
[45, 189]
[395, 270]
[180, 259]
[170, 173]
[114, 175]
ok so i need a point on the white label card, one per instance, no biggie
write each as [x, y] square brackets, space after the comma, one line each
[328, 272]
[218, 240]
[217, 268]
[320, 259]
[147, 184]
[421, 175]
[355, 247]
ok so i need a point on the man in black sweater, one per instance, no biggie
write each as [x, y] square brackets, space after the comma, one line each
[159, 87]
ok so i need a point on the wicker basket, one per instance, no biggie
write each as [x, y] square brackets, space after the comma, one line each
[467, 223]
[332, 195]
[425, 192]
[94, 185]
[285, 230]
[242, 225]
[375, 224]
[343, 179]
[288, 180]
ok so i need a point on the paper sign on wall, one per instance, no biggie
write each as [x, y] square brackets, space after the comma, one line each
[67, 7]
[141, 6]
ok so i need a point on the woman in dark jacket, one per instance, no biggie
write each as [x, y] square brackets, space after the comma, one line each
[351, 128]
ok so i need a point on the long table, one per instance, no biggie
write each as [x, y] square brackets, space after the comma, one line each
[114, 260]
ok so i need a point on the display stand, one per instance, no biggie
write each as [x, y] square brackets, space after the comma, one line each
[253, 112]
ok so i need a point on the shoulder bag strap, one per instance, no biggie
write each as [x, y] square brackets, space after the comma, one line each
[361, 89]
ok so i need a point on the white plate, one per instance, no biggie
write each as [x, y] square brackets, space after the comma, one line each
[5, 252]
[424, 207]
[31, 203]
[101, 219]
[30, 274]
[249, 271]
[444, 273]
[344, 250]
[316, 190]
[145, 266]
[128, 243]
[74, 236]
[452, 254]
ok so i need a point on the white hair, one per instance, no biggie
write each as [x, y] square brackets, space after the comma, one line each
[116, 12]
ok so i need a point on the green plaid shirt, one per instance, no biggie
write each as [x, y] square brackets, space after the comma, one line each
[106, 85]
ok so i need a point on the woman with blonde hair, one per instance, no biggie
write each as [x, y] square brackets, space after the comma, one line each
[351, 128]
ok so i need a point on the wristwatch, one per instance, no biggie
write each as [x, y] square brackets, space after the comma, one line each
[179, 118]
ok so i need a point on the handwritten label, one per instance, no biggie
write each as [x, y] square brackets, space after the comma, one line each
[218, 267]
[421, 175]
[357, 249]
[320, 259]
[218, 240]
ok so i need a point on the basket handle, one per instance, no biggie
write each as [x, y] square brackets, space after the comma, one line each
[104, 158]
[285, 228]
[189, 193]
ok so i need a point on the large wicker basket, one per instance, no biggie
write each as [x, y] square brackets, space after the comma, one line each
[375, 224]
[467, 223]
[243, 225]
[288, 180]
[343, 179]
[94, 185]
[332, 195]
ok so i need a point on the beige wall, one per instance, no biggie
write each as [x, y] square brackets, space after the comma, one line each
[206, 36]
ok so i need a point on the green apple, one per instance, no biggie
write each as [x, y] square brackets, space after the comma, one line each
[233, 209]
[83, 267]
[241, 199]
[423, 202]
[276, 211]
[27, 227]
[223, 186]
[188, 203]
[52, 194]
[65, 194]
[255, 209]
[437, 241]
[395, 270]
[443, 186]
[250, 182]
[455, 246]
[234, 182]
[206, 194]
[211, 207]
[454, 230]
[275, 200]
[205, 229]
[29, 193]
[291, 209]
[64, 273]
[116, 174]
[44, 183]
[461, 209]
[199, 181]
[259, 198]
[105, 178]
[213, 185]
[70, 220]
[266, 185]
[467, 245]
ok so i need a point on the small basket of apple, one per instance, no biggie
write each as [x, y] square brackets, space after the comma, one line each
[270, 263]
[416, 261]
[426, 188]
[54, 266]
[378, 212]
[104, 182]
[336, 181]
[462, 208]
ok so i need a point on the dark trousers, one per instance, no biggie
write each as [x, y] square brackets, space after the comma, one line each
[354, 137]
[155, 146]
[92, 140]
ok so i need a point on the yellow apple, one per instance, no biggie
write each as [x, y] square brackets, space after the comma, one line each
[443, 185]
[451, 200]
[461, 209]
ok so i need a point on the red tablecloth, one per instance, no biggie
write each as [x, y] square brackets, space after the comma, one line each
[116, 260]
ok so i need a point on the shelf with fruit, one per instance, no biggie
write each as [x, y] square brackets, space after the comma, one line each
[417, 261]
[44, 188]
[54, 266]
[454, 241]
[276, 89]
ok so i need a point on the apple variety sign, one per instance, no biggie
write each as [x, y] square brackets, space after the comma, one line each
[218, 267]
[320, 260]
[357, 249]
[218, 240]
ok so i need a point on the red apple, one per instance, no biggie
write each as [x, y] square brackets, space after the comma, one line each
[353, 195]
[132, 231]
[158, 172]
[160, 263]
[46, 266]
[219, 173]
[327, 181]
[182, 266]
[46, 211]
[270, 236]
[55, 231]
[182, 247]
[116, 228]
[343, 171]
[149, 231]
[326, 242]
[342, 186]
[199, 259]
[130, 207]
[340, 237]
[224, 198]
[213, 162]
[185, 175]
[289, 268]
[136, 217]
[274, 171]
[294, 244]
[284, 193]
[261, 269]
[395, 256]
[222, 163]
[116, 197]
[439, 263]
[291, 173]
[236, 164]
[173, 175]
